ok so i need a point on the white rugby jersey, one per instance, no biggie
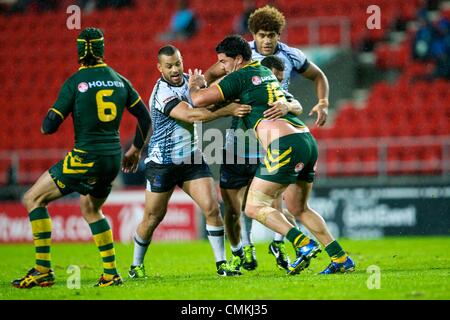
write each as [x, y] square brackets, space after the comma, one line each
[293, 58]
[172, 140]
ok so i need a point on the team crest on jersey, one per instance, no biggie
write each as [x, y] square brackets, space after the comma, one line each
[83, 87]
[299, 166]
[256, 80]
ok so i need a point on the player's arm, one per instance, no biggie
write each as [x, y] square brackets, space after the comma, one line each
[140, 112]
[315, 74]
[281, 108]
[184, 112]
[132, 156]
[215, 72]
[52, 121]
[227, 90]
[61, 108]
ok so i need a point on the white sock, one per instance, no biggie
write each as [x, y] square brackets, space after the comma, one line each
[140, 248]
[246, 229]
[216, 237]
[237, 248]
[278, 237]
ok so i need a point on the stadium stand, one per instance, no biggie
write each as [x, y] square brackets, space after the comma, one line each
[36, 59]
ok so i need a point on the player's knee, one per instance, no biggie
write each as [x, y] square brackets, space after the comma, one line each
[152, 218]
[231, 214]
[250, 211]
[31, 201]
[296, 210]
[211, 210]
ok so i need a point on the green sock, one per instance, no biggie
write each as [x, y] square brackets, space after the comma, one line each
[297, 238]
[41, 226]
[103, 239]
[334, 250]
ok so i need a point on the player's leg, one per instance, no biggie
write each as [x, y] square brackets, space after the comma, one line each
[232, 199]
[296, 197]
[95, 186]
[285, 158]
[234, 181]
[277, 247]
[91, 208]
[161, 181]
[35, 201]
[260, 200]
[154, 212]
[202, 191]
[246, 222]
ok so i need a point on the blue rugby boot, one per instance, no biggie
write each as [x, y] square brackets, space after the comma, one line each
[335, 267]
[304, 256]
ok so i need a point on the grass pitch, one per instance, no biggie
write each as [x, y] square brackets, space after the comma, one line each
[410, 268]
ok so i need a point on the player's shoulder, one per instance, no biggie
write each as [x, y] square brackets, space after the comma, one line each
[121, 77]
[161, 90]
[283, 47]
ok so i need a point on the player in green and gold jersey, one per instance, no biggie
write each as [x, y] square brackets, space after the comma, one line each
[291, 151]
[96, 97]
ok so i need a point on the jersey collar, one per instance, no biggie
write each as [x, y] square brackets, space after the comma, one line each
[94, 66]
[252, 63]
[174, 85]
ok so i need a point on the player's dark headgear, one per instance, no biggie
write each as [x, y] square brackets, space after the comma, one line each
[235, 45]
[90, 44]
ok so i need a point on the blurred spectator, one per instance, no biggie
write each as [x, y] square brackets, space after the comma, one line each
[183, 23]
[241, 22]
[19, 6]
[440, 49]
[423, 39]
[103, 4]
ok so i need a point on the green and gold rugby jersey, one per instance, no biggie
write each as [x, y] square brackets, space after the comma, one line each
[96, 97]
[257, 86]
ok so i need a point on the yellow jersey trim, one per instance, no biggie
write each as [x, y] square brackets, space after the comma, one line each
[221, 92]
[252, 63]
[95, 66]
[57, 112]
[134, 103]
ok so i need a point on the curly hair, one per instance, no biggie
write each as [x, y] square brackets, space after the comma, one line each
[266, 18]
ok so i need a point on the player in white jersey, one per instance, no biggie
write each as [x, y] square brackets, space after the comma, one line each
[266, 25]
[175, 159]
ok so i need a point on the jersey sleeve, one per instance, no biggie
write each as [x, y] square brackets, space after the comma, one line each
[299, 59]
[66, 100]
[165, 99]
[289, 96]
[230, 86]
[133, 96]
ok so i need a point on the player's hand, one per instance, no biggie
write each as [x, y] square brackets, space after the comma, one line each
[197, 79]
[321, 109]
[238, 110]
[131, 159]
[278, 110]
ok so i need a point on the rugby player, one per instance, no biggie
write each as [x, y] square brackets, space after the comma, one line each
[175, 159]
[96, 97]
[291, 151]
[266, 25]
